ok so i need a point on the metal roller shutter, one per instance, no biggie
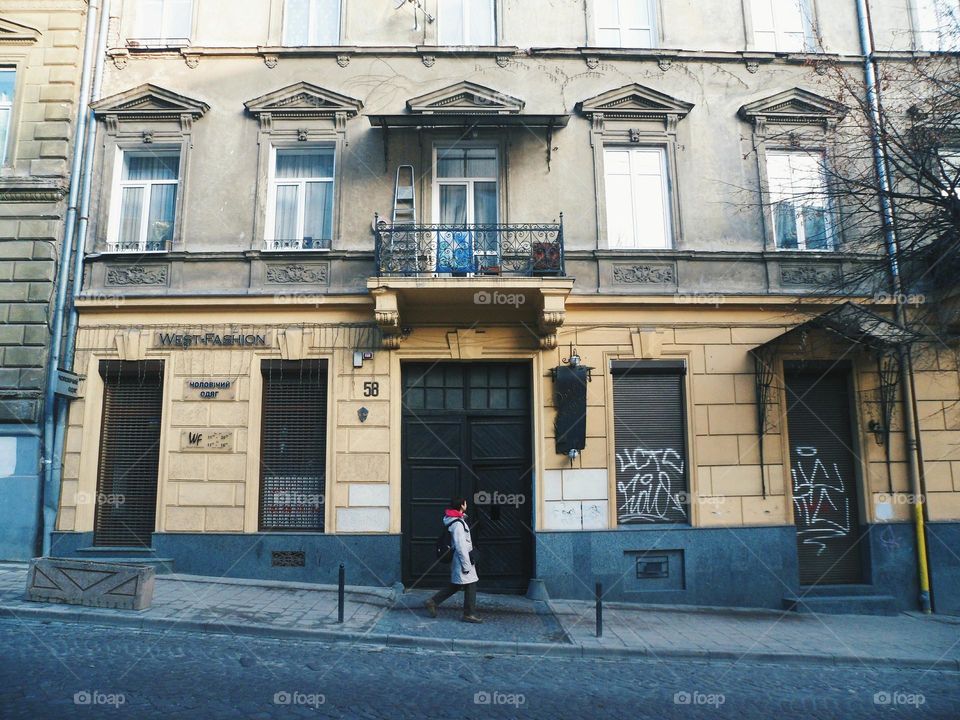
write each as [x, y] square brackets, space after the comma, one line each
[126, 502]
[293, 450]
[651, 446]
[823, 470]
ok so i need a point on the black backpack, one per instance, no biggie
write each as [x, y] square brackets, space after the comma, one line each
[444, 546]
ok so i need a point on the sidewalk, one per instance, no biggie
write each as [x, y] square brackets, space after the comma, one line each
[515, 625]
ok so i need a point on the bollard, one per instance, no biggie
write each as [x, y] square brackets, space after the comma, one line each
[340, 595]
[599, 609]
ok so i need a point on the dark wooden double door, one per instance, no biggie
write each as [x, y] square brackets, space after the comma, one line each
[467, 433]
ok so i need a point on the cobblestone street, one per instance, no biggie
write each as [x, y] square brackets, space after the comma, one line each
[56, 670]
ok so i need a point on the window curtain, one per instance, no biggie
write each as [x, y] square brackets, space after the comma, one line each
[318, 212]
[152, 167]
[285, 226]
[293, 164]
[131, 205]
[163, 200]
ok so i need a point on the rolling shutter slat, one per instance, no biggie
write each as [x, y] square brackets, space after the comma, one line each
[293, 446]
[126, 500]
[651, 447]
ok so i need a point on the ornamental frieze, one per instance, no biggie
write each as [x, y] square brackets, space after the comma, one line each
[298, 274]
[644, 274]
[137, 275]
[816, 275]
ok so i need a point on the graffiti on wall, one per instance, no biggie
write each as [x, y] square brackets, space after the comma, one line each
[820, 499]
[651, 486]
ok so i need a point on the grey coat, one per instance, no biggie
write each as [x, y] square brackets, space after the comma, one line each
[462, 571]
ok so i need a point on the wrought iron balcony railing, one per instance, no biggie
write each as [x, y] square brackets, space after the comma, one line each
[147, 246]
[526, 250]
[307, 243]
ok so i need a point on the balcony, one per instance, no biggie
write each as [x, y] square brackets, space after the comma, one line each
[457, 275]
[525, 250]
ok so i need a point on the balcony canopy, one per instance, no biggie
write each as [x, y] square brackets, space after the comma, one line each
[466, 105]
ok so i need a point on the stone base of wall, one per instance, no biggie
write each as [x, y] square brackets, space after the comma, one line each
[20, 491]
[372, 560]
[730, 567]
[943, 548]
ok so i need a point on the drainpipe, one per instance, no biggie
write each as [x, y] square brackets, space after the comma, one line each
[910, 423]
[69, 349]
[50, 461]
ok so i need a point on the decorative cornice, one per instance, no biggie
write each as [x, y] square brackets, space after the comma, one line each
[29, 190]
[303, 99]
[13, 33]
[635, 101]
[149, 102]
[298, 274]
[794, 107]
[466, 97]
[137, 275]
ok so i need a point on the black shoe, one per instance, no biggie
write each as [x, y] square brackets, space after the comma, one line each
[431, 607]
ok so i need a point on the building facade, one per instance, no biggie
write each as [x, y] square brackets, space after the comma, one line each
[344, 260]
[40, 57]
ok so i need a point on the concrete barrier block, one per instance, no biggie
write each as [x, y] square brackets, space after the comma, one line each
[89, 582]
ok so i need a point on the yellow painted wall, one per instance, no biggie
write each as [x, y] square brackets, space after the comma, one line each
[218, 492]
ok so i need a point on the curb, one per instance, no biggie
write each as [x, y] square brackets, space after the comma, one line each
[498, 647]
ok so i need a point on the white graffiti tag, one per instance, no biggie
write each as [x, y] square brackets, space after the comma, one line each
[656, 489]
[820, 500]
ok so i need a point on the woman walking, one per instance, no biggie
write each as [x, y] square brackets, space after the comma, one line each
[463, 570]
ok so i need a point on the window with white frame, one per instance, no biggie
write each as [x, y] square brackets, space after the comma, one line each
[164, 19]
[466, 22]
[638, 197]
[144, 202]
[311, 22]
[465, 186]
[300, 203]
[937, 24]
[626, 23]
[781, 25]
[8, 78]
[798, 199]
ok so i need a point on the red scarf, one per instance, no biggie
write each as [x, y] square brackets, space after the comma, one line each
[454, 513]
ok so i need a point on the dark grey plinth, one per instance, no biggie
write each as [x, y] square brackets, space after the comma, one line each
[88, 582]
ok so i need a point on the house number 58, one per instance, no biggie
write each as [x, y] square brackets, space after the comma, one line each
[371, 389]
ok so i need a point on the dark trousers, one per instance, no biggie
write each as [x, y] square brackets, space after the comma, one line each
[469, 596]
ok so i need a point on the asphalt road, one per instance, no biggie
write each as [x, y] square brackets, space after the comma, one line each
[59, 670]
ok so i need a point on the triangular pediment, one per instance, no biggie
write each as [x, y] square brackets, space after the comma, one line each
[14, 33]
[150, 101]
[635, 100]
[466, 98]
[303, 98]
[796, 106]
